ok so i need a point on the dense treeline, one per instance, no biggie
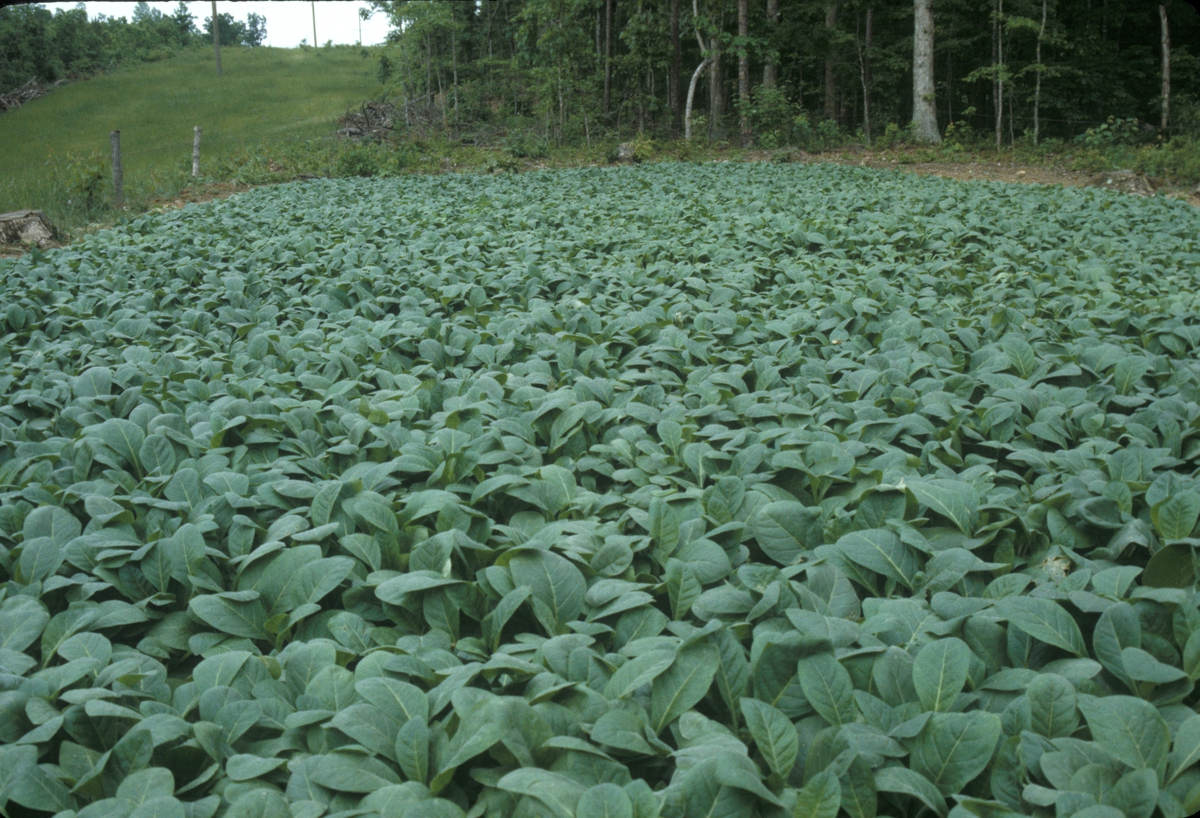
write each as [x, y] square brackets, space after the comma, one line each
[768, 71]
[36, 44]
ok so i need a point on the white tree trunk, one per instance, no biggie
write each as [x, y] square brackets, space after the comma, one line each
[924, 112]
[687, 113]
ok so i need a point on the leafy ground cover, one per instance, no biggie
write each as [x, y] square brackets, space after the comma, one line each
[676, 490]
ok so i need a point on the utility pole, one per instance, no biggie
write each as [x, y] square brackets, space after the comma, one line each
[314, 16]
[216, 37]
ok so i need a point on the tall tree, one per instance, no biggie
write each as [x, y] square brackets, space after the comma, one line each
[673, 72]
[864, 68]
[770, 67]
[706, 58]
[998, 68]
[831, 18]
[1166, 65]
[744, 72]
[608, 54]
[1037, 88]
[716, 89]
[924, 110]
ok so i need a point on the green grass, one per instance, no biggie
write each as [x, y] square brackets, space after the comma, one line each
[58, 147]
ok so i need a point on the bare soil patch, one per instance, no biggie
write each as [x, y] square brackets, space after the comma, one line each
[1013, 172]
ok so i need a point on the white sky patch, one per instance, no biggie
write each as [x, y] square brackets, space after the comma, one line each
[288, 21]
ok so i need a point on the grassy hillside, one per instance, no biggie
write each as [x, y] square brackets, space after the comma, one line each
[55, 150]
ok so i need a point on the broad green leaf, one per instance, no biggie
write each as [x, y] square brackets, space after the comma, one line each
[1186, 748]
[144, 785]
[953, 748]
[399, 701]
[604, 801]
[859, 796]
[682, 685]
[939, 672]
[352, 773]
[1172, 566]
[94, 382]
[1130, 729]
[821, 797]
[1175, 517]
[880, 550]
[955, 500]
[828, 688]
[560, 794]
[774, 735]
[123, 438]
[259, 803]
[239, 613]
[1052, 708]
[412, 749]
[785, 530]
[1116, 629]
[1043, 619]
[552, 579]
[906, 782]
[1135, 794]
[1141, 666]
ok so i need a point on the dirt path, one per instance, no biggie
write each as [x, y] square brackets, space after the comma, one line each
[1013, 172]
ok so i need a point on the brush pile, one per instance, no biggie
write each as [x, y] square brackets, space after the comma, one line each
[373, 121]
[26, 93]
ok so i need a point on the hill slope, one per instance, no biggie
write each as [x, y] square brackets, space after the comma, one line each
[263, 94]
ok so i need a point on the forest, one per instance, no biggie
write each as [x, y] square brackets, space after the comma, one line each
[36, 43]
[764, 72]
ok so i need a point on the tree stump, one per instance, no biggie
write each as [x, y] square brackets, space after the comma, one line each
[29, 227]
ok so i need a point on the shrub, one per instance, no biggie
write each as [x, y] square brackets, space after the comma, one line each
[1177, 161]
[523, 146]
[357, 161]
[86, 181]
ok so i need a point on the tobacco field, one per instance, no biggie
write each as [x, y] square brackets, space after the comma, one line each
[709, 491]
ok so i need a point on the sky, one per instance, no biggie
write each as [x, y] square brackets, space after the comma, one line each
[288, 21]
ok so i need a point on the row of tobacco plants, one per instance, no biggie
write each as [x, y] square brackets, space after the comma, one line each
[679, 490]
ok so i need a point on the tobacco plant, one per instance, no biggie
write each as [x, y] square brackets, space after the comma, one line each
[672, 491]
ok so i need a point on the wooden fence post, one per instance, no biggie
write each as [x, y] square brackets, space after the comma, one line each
[118, 176]
[196, 152]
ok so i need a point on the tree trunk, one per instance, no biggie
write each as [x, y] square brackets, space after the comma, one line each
[831, 17]
[428, 69]
[608, 21]
[864, 68]
[1037, 85]
[673, 96]
[772, 24]
[924, 112]
[744, 72]
[454, 62]
[691, 95]
[1166, 65]
[687, 111]
[716, 96]
[216, 37]
[997, 79]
